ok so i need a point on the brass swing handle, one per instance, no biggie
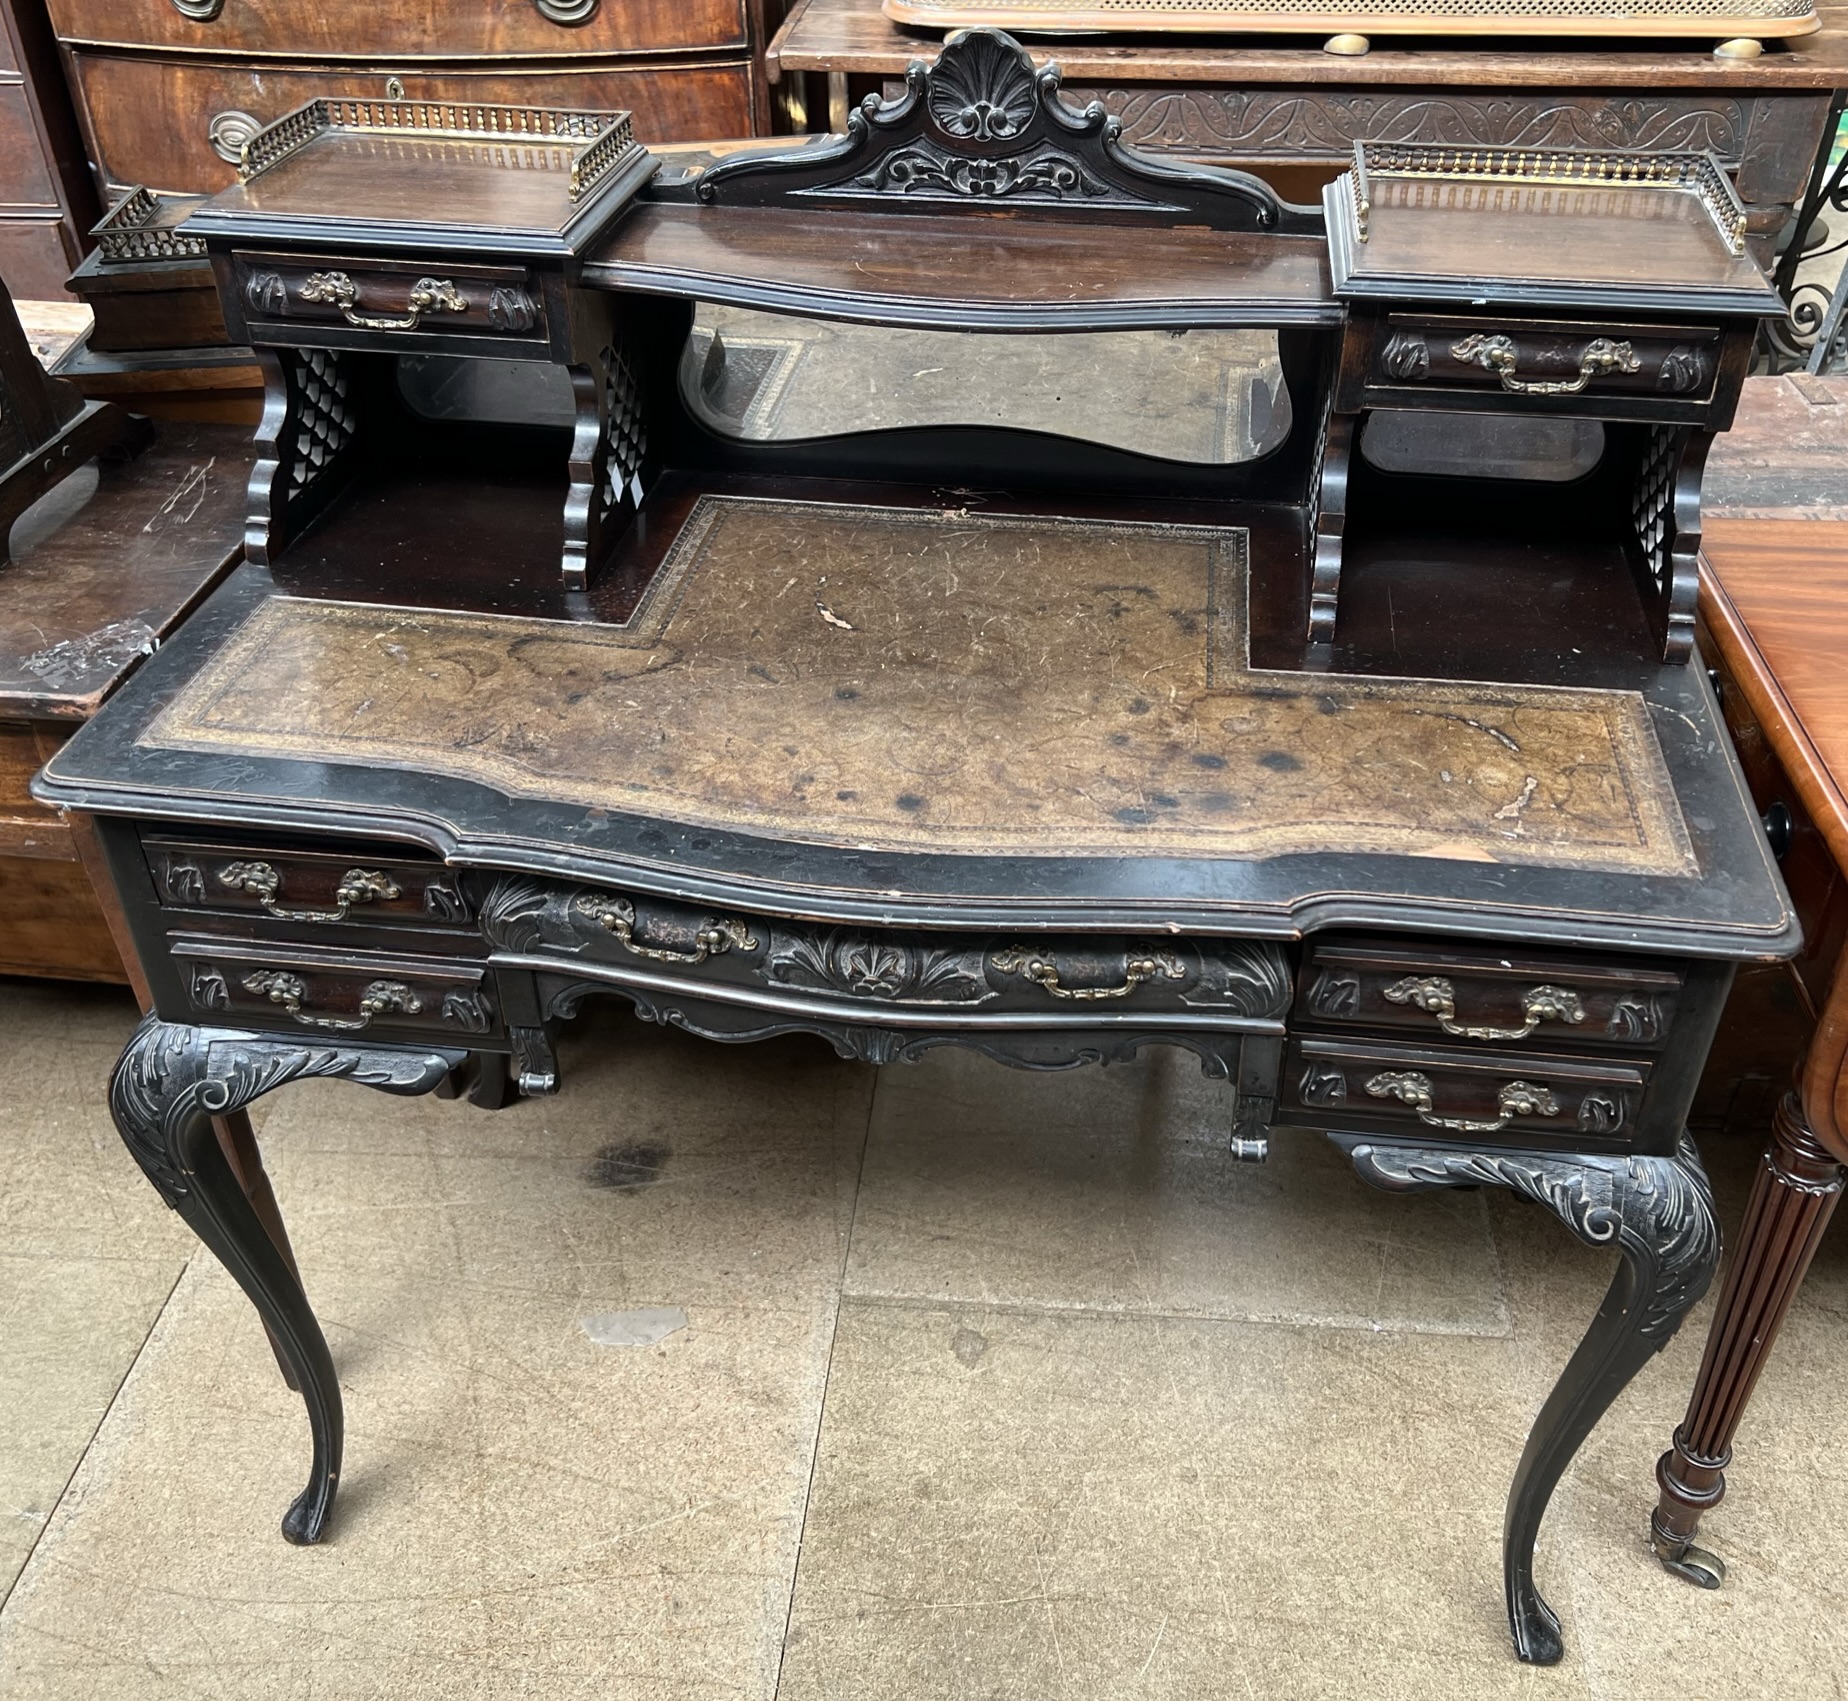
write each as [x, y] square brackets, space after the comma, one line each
[381, 998]
[1498, 354]
[1434, 995]
[262, 882]
[1138, 971]
[1517, 1098]
[617, 916]
[428, 295]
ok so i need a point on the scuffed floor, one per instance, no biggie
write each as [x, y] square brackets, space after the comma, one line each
[751, 1372]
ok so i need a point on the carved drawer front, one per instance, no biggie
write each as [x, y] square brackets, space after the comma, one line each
[1537, 1001]
[1665, 371]
[1081, 980]
[278, 295]
[1516, 1098]
[303, 990]
[306, 886]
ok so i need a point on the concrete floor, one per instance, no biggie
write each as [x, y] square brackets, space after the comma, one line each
[990, 1385]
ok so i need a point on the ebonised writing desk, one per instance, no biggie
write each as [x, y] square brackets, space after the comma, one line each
[1203, 629]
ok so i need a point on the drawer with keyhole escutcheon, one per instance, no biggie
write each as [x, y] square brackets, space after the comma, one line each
[1483, 997]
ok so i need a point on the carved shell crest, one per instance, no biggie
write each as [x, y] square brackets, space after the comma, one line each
[983, 88]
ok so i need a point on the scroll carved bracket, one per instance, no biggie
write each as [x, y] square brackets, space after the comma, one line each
[983, 126]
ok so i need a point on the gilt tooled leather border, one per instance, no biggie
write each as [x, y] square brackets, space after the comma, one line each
[938, 681]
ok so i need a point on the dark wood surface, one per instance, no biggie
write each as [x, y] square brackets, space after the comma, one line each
[47, 198]
[104, 569]
[150, 121]
[407, 29]
[1282, 106]
[1774, 605]
[855, 36]
[965, 270]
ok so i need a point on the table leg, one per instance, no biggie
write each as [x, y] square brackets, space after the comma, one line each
[1798, 1185]
[1656, 1212]
[170, 1084]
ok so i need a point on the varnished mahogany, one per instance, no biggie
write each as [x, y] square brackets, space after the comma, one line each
[1772, 618]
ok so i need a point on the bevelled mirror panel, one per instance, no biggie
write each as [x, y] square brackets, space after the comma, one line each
[1204, 396]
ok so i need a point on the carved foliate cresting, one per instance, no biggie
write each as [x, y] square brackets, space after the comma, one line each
[983, 124]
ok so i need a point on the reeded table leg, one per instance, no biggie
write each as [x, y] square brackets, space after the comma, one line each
[1798, 1185]
[1657, 1212]
[171, 1081]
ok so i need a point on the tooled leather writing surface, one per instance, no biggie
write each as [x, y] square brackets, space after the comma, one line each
[947, 682]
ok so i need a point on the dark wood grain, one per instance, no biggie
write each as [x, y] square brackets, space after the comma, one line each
[405, 29]
[149, 121]
[856, 37]
[1774, 607]
[995, 273]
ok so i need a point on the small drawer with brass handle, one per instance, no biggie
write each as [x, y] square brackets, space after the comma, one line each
[1627, 371]
[335, 992]
[1487, 997]
[1531, 1099]
[276, 296]
[428, 295]
[306, 886]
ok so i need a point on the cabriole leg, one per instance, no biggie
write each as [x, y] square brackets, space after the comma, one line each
[169, 1085]
[1798, 1186]
[1656, 1212]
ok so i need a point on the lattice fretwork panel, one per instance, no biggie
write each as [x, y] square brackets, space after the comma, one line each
[624, 430]
[1652, 501]
[323, 416]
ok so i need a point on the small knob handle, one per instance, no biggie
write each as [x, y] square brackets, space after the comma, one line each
[1780, 829]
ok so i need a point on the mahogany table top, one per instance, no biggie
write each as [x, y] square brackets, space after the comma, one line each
[855, 36]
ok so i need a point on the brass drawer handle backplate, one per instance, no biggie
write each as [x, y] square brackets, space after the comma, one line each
[714, 938]
[1434, 995]
[262, 882]
[1498, 354]
[1517, 1098]
[566, 12]
[1138, 971]
[381, 998]
[428, 295]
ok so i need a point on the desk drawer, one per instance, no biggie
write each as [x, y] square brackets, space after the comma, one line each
[1218, 983]
[1488, 997]
[304, 989]
[408, 300]
[305, 886]
[1506, 1098]
[413, 29]
[1626, 371]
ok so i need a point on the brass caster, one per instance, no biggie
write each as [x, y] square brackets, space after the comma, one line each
[1348, 46]
[1684, 1560]
[1740, 47]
